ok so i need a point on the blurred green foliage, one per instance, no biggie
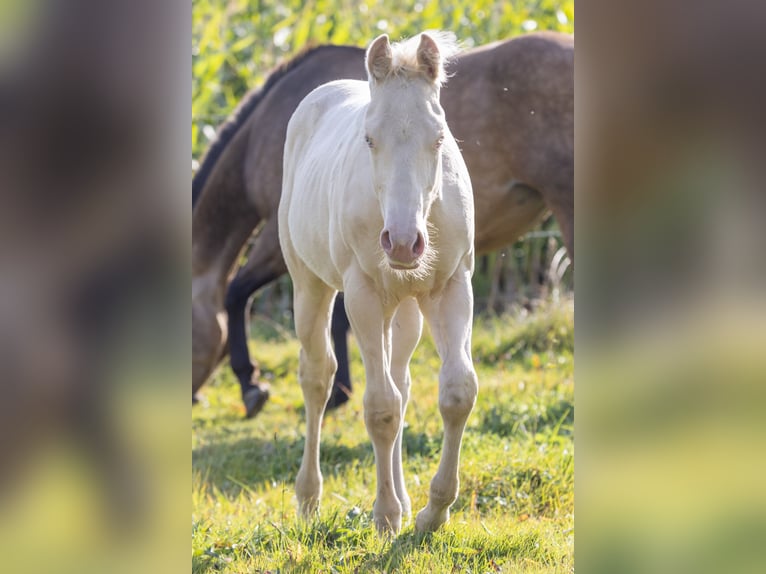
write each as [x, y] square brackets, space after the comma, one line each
[236, 43]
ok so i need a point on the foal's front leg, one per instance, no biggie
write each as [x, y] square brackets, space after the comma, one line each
[450, 317]
[382, 400]
[312, 301]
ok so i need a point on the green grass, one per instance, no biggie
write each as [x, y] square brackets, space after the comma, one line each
[515, 511]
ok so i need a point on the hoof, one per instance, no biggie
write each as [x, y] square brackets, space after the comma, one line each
[429, 520]
[387, 516]
[254, 398]
[340, 395]
[387, 527]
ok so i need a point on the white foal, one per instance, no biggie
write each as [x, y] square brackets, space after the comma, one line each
[377, 202]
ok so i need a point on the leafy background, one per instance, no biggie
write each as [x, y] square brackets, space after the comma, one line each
[235, 43]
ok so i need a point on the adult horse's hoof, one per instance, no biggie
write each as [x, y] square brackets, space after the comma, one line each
[254, 398]
[339, 396]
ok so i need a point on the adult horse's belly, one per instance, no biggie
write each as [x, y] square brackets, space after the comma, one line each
[503, 216]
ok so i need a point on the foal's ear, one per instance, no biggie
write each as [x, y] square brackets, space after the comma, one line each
[429, 59]
[379, 58]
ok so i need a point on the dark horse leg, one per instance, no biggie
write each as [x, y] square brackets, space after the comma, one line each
[341, 389]
[255, 393]
[264, 264]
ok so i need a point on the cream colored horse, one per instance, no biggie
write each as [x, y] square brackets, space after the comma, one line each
[377, 203]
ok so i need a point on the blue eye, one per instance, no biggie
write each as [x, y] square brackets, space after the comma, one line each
[368, 139]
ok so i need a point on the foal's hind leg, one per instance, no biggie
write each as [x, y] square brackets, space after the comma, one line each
[312, 304]
[450, 317]
[405, 334]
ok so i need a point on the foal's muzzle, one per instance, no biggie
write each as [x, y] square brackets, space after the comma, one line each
[403, 252]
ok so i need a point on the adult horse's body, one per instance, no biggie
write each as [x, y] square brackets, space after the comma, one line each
[510, 106]
[392, 227]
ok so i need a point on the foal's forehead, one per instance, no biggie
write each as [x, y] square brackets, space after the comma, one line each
[407, 100]
[403, 124]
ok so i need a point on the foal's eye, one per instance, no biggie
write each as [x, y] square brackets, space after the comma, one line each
[368, 139]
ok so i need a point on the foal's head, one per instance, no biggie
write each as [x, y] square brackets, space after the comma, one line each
[405, 129]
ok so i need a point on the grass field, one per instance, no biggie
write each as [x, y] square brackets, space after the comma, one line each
[515, 511]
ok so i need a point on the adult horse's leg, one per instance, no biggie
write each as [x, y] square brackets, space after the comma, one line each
[208, 329]
[341, 389]
[561, 204]
[312, 301]
[264, 264]
[382, 399]
[450, 318]
[405, 334]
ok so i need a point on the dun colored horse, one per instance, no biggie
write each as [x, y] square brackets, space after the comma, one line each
[510, 107]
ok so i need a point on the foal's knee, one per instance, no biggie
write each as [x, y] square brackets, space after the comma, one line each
[383, 413]
[316, 373]
[458, 387]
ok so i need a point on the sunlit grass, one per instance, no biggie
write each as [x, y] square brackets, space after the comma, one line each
[515, 511]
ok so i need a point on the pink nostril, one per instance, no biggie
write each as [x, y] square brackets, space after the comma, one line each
[419, 246]
[385, 241]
